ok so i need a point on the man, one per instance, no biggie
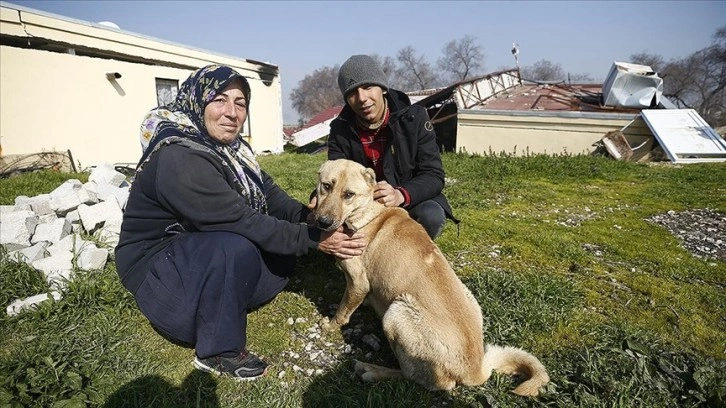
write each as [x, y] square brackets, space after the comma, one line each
[379, 128]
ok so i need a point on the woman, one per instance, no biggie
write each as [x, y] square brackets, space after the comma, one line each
[207, 235]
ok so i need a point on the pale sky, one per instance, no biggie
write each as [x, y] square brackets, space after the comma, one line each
[584, 37]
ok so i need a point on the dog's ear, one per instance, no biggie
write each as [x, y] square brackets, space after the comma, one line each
[322, 167]
[369, 175]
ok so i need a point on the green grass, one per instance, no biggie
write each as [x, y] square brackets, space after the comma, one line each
[638, 323]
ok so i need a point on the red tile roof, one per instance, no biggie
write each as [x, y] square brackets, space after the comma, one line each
[552, 97]
[322, 117]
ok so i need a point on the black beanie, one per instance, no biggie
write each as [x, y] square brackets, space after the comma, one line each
[360, 70]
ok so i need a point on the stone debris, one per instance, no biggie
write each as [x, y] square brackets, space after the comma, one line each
[701, 231]
[46, 231]
[19, 305]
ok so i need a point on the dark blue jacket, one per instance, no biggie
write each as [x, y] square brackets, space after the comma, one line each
[182, 190]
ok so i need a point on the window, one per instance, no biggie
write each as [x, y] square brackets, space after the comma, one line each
[166, 90]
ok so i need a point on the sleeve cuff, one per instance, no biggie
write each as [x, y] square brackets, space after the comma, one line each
[406, 197]
[314, 236]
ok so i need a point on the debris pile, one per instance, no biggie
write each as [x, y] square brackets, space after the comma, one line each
[701, 231]
[46, 231]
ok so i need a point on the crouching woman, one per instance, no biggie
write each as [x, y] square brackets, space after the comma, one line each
[207, 235]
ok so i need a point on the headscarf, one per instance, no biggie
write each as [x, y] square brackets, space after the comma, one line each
[182, 121]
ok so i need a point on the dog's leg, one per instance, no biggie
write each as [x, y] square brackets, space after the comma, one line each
[371, 372]
[421, 354]
[356, 290]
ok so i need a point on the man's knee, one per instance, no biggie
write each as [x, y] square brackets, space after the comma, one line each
[431, 216]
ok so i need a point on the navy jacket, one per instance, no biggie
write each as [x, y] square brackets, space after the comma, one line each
[182, 190]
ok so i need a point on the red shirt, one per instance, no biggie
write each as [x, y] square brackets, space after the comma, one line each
[374, 143]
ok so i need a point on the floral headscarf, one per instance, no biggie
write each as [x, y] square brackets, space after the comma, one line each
[182, 121]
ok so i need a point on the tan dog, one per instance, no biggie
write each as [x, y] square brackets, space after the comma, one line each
[431, 320]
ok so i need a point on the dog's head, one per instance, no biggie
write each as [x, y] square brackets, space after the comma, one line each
[344, 193]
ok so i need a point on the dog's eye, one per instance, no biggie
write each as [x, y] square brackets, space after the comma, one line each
[326, 186]
[348, 195]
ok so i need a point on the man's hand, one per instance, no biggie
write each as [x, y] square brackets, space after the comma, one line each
[340, 244]
[385, 194]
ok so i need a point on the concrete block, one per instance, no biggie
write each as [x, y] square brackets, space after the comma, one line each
[94, 216]
[30, 254]
[17, 228]
[56, 268]
[108, 192]
[65, 198]
[87, 197]
[91, 259]
[6, 209]
[41, 204]
[106, 174]
[52, 232]
[31, 302]
[22, 203]
[47, 218]
[72, 244]
[91, 186]
[73, 217]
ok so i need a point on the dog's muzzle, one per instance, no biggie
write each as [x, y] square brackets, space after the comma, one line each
[326, 223]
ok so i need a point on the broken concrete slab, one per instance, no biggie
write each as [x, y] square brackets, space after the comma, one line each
[20, 305]
[17, 229]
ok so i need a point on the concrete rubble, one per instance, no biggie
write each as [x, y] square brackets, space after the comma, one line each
[46, 231]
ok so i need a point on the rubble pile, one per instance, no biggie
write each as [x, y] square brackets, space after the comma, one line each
[46, 231]
[701, 231]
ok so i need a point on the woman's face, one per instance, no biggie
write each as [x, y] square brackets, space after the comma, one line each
[226, 113]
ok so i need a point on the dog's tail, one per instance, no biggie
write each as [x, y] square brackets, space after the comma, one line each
[515, 361]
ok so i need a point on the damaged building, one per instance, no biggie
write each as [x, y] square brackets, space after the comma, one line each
[627, 116]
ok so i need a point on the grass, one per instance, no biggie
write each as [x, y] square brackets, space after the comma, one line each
[556, 250]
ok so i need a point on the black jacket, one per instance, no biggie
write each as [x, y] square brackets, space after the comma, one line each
[411, 158]
[182, 190]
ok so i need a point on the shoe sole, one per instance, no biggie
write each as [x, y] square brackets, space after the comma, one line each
[202, 367]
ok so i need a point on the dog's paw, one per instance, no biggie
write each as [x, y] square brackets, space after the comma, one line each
[359, 368]
[364, 371]
[329, 325]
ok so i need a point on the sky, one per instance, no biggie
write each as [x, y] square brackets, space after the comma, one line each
[584, 37]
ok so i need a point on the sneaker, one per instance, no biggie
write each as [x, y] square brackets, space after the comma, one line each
[245, 366]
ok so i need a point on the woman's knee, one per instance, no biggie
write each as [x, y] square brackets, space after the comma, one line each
[212, 247]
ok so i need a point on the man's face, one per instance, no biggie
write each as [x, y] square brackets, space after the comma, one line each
[367, 103]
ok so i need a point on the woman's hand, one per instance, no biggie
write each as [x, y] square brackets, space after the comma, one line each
[340, 244]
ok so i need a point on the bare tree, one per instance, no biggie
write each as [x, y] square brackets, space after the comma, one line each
[579, 78]
[413, 72]
[387, 64]
[544, 71]
[699, 81]
[316, 92]
[462, 59]
[654, 61]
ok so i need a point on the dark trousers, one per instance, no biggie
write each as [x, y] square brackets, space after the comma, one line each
[201, 287]
[431, 215]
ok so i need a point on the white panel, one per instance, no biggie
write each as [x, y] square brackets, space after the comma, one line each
[685, 136]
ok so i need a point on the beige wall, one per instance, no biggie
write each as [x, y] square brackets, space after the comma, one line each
[482, 132]
[52, 101]
[59, 102]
